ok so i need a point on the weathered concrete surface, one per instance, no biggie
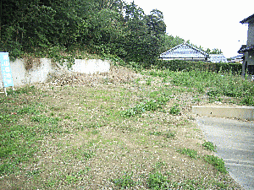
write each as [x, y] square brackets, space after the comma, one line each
[235, 145]
[91, 66]
[38, 73]
[240, 112]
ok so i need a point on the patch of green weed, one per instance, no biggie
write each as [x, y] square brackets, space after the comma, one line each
[88, 154]
[156, 133]
[158, 181]
[217, 162]
[209, 146]
[44, 119]
[125, 181]
[166, 134]
[248, 100]
[70, 179]
[149, 81]
[175, 110]
[147, 105]
[23, 90]
[18, 144]
[189, 152]
[170, 134]
[28, 110]
[7, 119]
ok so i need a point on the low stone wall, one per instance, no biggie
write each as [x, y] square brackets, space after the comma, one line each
[38, 73]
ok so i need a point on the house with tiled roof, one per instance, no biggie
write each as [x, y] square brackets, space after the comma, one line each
[217, 58]
[248, 49]
[236, 59]
[184, 51]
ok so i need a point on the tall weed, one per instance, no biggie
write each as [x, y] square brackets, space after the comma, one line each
[215, 84]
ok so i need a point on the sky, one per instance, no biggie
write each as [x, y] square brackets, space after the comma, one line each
[207, 23]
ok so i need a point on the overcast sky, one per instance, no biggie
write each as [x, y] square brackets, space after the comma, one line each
[211, 24]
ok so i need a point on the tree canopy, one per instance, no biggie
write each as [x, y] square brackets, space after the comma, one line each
[97, 26]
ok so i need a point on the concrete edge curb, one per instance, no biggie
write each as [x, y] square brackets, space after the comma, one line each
[240, 112]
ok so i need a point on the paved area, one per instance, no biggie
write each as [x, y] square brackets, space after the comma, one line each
[235, 144]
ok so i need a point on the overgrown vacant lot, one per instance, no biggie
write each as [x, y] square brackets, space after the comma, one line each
[113, 131]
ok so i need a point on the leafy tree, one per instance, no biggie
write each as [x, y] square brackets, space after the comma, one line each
[106, 32]
[20, 24]
[208, 50]
[133, 12]
[155, 22]
[115, 5]
[101, 26]
[170, 42]
[216, 51]
[144, 34]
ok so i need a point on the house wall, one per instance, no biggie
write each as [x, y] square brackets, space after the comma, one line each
[250, 39]
[248, 63]
[249, 57]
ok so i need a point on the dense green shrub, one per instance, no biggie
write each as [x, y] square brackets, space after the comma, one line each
[182, 65]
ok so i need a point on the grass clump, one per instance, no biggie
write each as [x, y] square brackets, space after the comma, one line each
[175, 110]
[158, 181]
[189, 152]
[28, 110]
[125, 181]
[166, 134]
[209, 146]
[217, 162]
[148, 105]
[88, 154]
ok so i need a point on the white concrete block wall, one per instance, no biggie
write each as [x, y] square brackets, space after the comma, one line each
[39, 74]
[18, 73]
[91, 66]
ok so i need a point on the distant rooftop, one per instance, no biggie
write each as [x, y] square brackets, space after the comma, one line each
[245, 48]
[248, 19]
[217, 58]
[184, 51]
[240, 56]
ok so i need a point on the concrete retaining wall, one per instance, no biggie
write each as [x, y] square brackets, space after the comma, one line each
[39, 72]
[91, 66]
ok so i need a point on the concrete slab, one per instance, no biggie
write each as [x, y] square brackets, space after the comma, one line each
[240, 112]
[235, 145]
